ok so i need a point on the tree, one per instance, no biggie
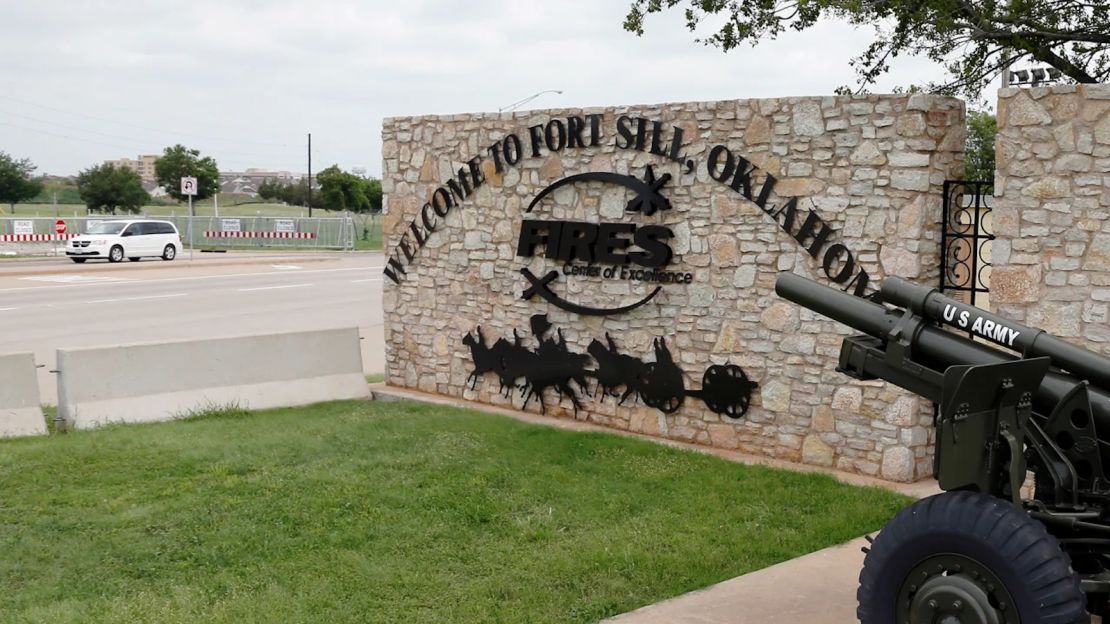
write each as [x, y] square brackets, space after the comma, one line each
[181, 162]
[374, 194]
[342, 191]
[974, 40]
[979, 149]
[293, 194]
[16, 184]
[269, 189]
[105, 188]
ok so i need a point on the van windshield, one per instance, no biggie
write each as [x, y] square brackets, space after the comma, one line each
[107, 227]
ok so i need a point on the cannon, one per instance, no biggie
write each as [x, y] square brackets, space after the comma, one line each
[1017, 410]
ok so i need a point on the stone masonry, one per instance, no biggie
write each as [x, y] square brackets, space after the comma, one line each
[1052, 211]
[872, 167]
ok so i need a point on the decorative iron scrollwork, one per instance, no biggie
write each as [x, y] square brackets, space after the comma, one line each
[966, 236]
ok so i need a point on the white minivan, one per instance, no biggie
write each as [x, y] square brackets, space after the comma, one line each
[131, 239]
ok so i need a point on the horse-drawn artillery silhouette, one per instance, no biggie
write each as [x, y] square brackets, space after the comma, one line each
[660, 384]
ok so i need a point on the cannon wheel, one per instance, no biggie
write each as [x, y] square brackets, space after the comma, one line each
[726, 390]
[968, 557]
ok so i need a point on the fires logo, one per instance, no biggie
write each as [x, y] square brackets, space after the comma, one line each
[628, 251]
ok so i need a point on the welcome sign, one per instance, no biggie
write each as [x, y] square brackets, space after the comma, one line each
[631, 133]
[617, 264]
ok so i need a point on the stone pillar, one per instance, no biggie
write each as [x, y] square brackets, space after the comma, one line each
[1052, 255]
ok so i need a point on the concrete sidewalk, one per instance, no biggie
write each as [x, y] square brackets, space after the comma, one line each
[818, 588]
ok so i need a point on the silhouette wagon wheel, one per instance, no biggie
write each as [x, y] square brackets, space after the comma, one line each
[661, 391]
[726, 390]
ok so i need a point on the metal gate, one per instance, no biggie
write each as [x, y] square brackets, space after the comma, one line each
[966, 233]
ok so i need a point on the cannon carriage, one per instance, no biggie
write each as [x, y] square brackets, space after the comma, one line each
[1038, 406]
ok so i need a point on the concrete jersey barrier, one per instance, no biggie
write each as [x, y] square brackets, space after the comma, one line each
[155, 382]
[20, 412]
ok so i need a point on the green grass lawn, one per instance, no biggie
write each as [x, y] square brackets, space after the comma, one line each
[388, 512]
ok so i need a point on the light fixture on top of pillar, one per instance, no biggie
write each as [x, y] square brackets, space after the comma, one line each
[1033, 77]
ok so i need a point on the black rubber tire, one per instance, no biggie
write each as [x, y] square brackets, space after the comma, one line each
[994, 532]
[135, 259]
[79, 260]
[112, 257]
[169, 253]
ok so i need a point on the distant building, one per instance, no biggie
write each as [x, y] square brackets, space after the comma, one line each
[143, 165]
[246, 182]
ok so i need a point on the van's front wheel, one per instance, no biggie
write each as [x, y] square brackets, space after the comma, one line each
[116, 254]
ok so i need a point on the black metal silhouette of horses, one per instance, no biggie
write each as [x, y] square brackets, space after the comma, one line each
[615, 369]
[552, 365]
[488, 359]
[660, 384]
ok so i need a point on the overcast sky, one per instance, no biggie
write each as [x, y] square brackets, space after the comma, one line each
[83, 81]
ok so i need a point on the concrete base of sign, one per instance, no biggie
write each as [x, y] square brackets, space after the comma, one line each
[20, 412]
[156, 382]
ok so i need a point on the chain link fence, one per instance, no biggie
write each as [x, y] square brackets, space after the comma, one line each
[40, 235]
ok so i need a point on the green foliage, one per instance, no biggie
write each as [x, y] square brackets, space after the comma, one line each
[107, 188]
[374, 194]
[389, 512]
[16, 183]
[337, 190]
[979, 149]
[973, 40]
[293, 193]
[64, 188]
[269, 189]
[181, 162]
[346, 191]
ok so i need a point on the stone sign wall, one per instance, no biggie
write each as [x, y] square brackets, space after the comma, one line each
[625, 258]
[1052, 211]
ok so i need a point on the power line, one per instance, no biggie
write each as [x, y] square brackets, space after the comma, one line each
[127, 138]
[126, 148]
[148, 129]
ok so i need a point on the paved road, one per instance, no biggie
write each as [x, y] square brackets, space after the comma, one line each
[51, 304]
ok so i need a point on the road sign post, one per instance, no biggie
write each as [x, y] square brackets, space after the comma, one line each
[189, 188]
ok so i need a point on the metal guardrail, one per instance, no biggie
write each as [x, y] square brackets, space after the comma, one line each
[37, 234]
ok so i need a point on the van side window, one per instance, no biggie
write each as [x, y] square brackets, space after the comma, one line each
[135, 229]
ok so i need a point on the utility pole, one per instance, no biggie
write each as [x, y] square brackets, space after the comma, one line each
[310, 175]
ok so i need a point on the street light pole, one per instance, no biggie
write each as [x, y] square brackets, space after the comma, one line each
[310, 175]
[519, 103]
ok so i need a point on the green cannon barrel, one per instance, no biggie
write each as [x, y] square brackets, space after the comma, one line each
[939, 349]
[1029, 341]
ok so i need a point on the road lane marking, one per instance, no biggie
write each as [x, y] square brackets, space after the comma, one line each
[372, 279]
[274, 287]
[129, 282]
[76, 279]
[137, 298]
[7, 309]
